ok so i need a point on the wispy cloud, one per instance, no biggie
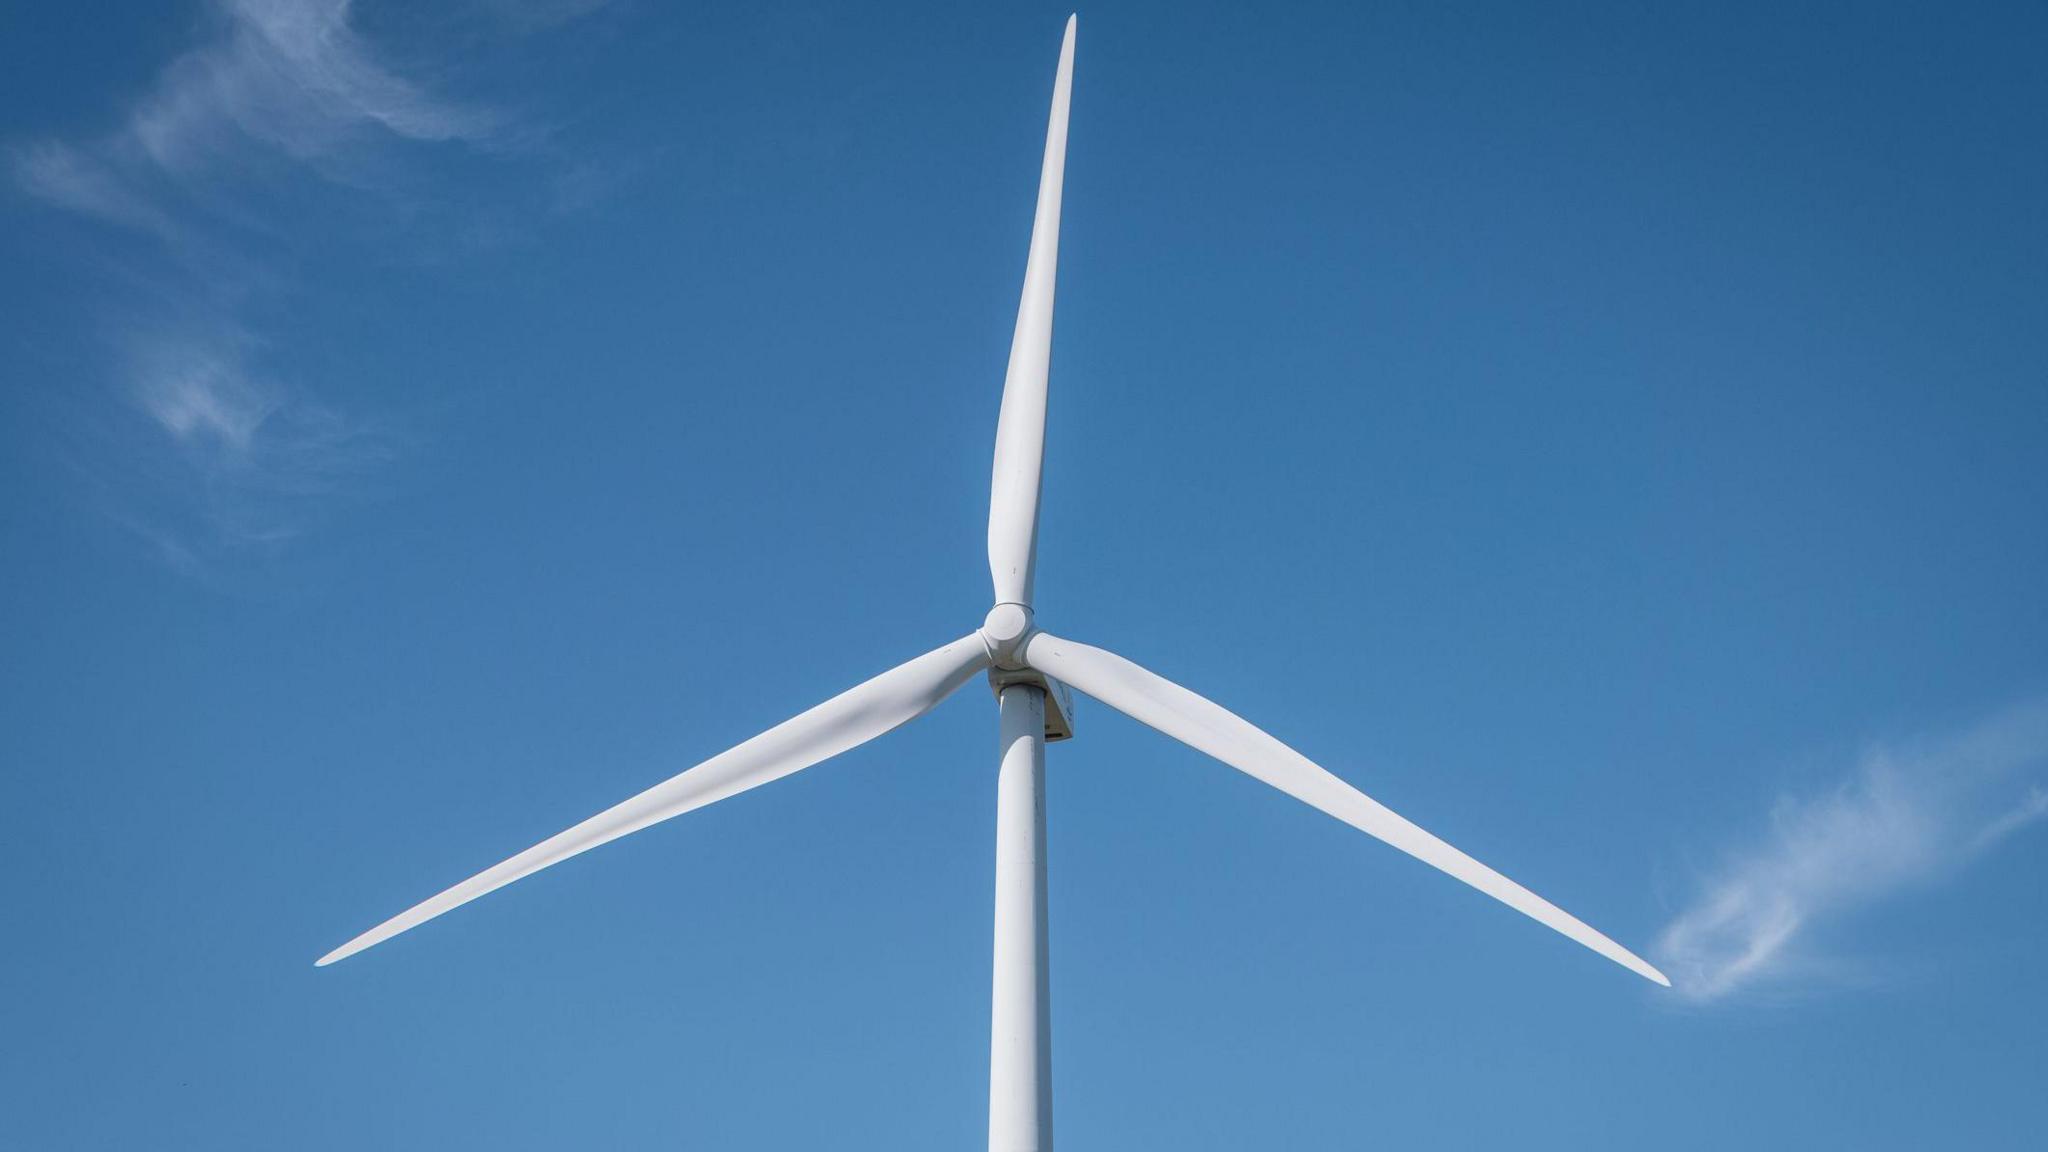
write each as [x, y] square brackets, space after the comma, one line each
[1905, 816]
[283, 76]
[77, 182]
[275, 88]
[293, 75]
[244, 429]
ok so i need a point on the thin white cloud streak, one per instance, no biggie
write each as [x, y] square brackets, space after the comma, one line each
[275, 78]
[293, 75]
[222, 450]
[216, 462]
[289, 76]
[203, 401]
[237, 424]
[77, 182]
[1904, 817]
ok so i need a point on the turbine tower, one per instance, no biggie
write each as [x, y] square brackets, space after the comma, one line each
[1030, 670]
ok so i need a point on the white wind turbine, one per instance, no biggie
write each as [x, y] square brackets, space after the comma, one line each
[1029, 670]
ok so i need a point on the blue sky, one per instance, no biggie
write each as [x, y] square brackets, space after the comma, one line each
[1617, 440]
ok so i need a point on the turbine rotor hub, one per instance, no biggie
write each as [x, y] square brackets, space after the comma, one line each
[1004, 631]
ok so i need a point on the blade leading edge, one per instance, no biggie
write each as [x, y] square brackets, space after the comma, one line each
[1207, 727]
[846, 721]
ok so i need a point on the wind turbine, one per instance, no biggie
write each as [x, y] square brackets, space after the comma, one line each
[1030, 670]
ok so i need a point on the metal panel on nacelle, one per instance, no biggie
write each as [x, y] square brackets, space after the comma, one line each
[1059, 699]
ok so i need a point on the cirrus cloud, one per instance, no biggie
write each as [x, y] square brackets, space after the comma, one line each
[1905, 816]
[274, 89]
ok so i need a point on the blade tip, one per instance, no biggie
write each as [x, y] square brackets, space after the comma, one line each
[342, 953]
[1645, 969]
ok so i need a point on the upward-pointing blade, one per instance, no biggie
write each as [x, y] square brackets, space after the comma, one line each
[846, 721]
[1020, 430]
[1207, 727]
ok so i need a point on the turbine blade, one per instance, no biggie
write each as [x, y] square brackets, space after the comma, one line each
[1020, 430]
[1207, 727]
[846, 721]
